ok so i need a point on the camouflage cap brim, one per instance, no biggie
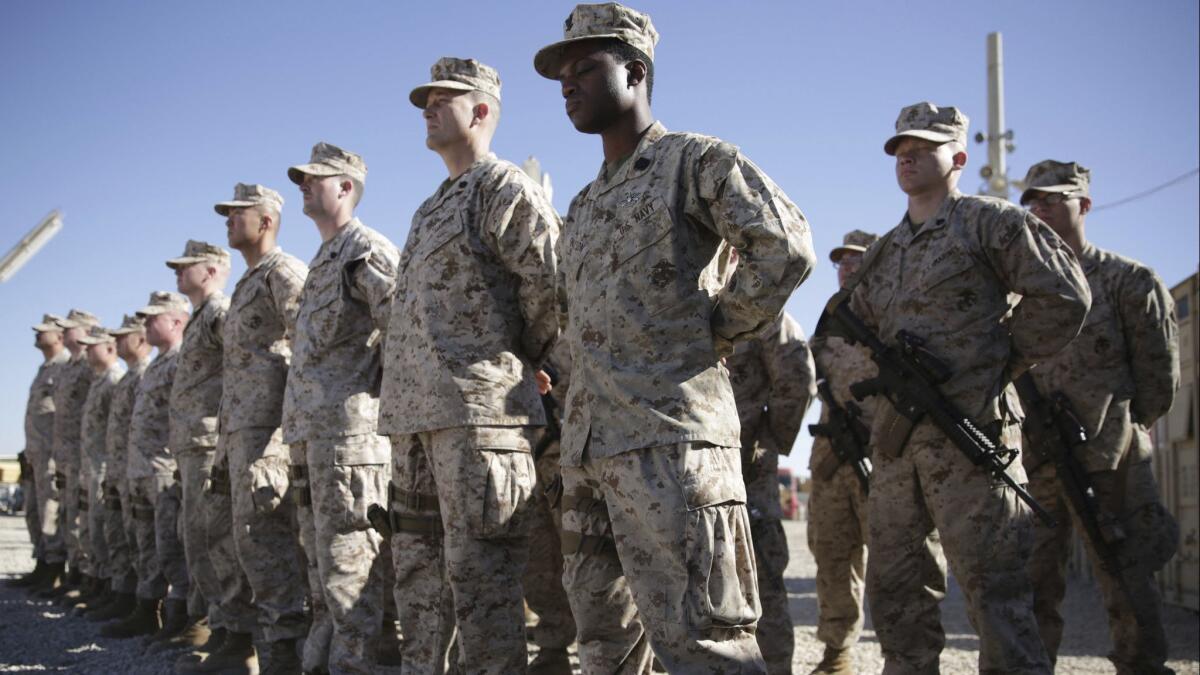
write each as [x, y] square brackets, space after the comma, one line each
[90, 340]
[180, 263]
[419, 95]
[48, 328]
[546, 61]
[127, 330]
[296, 174]
[223, 208]
[836, 254]
[1059, 189]
[67, 324]
[925, 134]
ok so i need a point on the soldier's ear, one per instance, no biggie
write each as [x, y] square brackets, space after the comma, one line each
[635, 73]
[1085, 205]
[960, 159]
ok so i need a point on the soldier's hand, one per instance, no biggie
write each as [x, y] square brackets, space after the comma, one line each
[543, 382]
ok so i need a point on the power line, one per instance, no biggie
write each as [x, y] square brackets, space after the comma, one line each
[1149, 192]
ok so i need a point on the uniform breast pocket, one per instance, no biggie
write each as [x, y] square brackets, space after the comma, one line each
[437, 234]
[644, 256]
[325, 319]
[950, 281]
[1100, 341]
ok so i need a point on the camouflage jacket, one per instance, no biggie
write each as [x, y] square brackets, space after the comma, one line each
[149, 453]
[120, 414]
[70, 393]
[94, 431]
[773, 382]
[39, 411]
[841, 364]
[258, 330]
[196, 392]
[643, 255]
[475, 310]
[333, 384]
[1124, 366]
[950, 284]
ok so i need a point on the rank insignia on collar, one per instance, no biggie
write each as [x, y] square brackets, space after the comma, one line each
[629, 198]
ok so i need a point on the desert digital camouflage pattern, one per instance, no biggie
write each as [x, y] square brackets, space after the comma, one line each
[94, 454]
[196, 391]
[774, 382]
[1051, 176]
[949, 283]
[1120, 376]
[929, 122]
[39, 443]
[149, 425]
[598, 21]
[460, 75]
[70, 393]
[245, 196]
[328, 159]
[120, 535]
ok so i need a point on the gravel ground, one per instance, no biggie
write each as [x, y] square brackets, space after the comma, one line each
[38, 636]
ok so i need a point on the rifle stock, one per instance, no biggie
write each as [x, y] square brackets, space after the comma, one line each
[846, 433]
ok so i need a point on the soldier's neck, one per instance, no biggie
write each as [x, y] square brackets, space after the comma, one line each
[922, 205]
[254, 253]
[462, 156]
[201, 295]
[622, 138]
[48, 353]
[329, 228]
[169, 345]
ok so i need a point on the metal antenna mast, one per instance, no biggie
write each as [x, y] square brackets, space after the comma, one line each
[999, 139]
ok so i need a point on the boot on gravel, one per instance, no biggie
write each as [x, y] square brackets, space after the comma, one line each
[195, 632]
[235, 657]
[174, 620]
[215, 638]
[97, 595]
[30, 579]
[144, 620]
[835, 662]
[51, 577]
[550, 662]
[282, 659]
[120, 605]
[67, 582]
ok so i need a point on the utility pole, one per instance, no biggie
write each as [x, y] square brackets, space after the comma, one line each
[999, 139]
[29, 245]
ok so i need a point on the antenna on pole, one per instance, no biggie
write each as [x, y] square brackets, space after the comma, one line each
[999, 139]
[29, 245]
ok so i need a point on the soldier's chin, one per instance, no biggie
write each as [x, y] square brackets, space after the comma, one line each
[584, 124]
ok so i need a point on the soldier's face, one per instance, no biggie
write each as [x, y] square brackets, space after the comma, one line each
[1062, 213]
[847, 265]
[160, 328]
[191, 278]
[47, 339]
[126, 345]
[98, 355]
[922, 165]
[242, 226]
[448, 114]
[594, 86]
[71, 339]
[320, 194]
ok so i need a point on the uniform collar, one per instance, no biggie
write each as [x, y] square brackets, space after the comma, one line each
[331, 249]
[1088, 258]
[262, 264]
[904, 234]
[454, 186]
[638, 163]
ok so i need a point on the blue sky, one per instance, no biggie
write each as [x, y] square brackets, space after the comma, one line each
[134, 118]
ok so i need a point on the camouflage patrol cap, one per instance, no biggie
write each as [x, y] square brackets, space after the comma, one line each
[855, 241]
[927, 121]
[458, 74]
[594, 22]
[162, 302]
[251, 195]
[198, 252]
[330, 160]
[77, 318]
[131, 323]
[1068, 178]
[49, 324]
[96, 335]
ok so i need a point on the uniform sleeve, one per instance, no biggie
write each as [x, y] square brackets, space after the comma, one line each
[1033, 262]
[524, 229]
[1148, 320]
[793, 383]
[372, 279]
[285, 286]
[772, 238]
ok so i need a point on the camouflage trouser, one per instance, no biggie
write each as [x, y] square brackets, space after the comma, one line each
[1147, 526]
[320, 630]
[837, 537]
[682, 535]
[162, 567]
[49, 500]
[346, 475]
[33, 523]
[268, 546]
[195, 470]
[232, 607]
[97, 516]
[71, 519]
[120, 535]
[481, 480]
[775, 635]
[987, 535]
[544, 592]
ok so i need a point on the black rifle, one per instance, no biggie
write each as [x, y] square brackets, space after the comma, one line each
[1052, 427]
[380, 520]
[553, 431]
[909, 376]
[847, 435]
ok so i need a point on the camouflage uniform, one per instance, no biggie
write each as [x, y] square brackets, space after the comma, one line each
[330, 414]
[651, 424]
[1120, 375]
[258, 327]
[70, 393]
[460, 403]
[155, 493]
[39, 444]
[950, 284]
[773, 383]
[120, 529]
[94, 439]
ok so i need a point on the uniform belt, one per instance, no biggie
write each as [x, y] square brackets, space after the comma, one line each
[411, 500]
[297, 471]
[426, 524]
[587, 544]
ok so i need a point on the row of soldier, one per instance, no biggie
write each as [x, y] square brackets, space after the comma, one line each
[228, 481]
